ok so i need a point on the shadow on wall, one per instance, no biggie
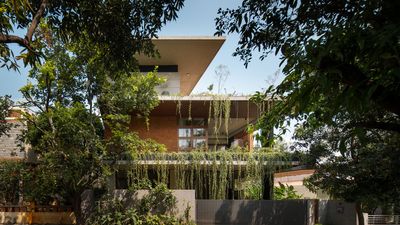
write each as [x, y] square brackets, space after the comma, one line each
[337, 212]
[289, 212]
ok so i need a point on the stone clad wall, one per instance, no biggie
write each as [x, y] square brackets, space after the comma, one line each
[9, 148]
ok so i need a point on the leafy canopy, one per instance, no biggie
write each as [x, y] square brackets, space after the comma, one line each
[342, 77]
[337, 56]
[73, 106]
[119, 28]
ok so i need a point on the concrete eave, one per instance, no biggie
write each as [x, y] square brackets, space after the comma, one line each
[192, 55]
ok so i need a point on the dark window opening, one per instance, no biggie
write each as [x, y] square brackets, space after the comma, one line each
[161, 68]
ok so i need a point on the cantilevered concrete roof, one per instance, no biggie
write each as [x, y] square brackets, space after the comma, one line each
[192, 55]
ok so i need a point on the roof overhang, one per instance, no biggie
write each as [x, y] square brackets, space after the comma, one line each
[199, 106]
[192, 55]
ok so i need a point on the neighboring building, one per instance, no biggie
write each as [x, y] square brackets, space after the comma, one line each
[296, 178]
[181, 121]
[10, 146]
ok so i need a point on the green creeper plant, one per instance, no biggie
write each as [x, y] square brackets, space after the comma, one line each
[209, 173]
[5, 106]
[285, 191]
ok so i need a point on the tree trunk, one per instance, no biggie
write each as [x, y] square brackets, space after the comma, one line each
[360, 215]
[76, 204]
[268, 187]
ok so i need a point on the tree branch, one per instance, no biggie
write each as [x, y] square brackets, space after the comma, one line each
[35, 21]
[378, 125]
[5, 38]
[25, 42]
[354, 77]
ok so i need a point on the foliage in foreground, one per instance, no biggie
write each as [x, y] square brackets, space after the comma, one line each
[76, 102]
[118, 29]
[157, 207]
[253, 190]
[5, 106]
[285, 192]
[367, 173]
[342, 75]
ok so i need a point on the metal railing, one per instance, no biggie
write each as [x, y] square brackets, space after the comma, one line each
[383, 219]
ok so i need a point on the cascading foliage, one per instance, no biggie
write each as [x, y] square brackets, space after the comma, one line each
[212, 174]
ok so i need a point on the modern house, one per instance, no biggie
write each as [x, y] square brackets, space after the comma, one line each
[204, 123]
[183, 121]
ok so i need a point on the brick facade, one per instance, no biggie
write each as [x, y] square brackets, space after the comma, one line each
[163, 129]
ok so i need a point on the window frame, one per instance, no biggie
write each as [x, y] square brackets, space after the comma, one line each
[191, 137]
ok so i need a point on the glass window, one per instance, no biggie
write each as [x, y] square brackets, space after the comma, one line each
[199, 143]
[192, 133]
[199, 132]
[184, 143]
[184, 132]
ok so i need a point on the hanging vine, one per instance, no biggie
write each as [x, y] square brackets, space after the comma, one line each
[190, 110]
[211, 174]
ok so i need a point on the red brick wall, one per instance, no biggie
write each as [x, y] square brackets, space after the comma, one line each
[163, 129]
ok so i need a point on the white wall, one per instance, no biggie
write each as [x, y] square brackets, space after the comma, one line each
[172, 85]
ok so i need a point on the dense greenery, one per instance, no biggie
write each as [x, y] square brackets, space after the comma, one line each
[156, 207]
[118, 29]
[342, 75]
[285, 192]
[79, 95]
[365, 173]
[337, 57]
[75, 103]
[213, 174]
[5, 106]
[33, 183]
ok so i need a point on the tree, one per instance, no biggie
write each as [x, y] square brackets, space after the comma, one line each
[83, 67]
[339, 56]
[340, 63]
[5, 106]
[358, 168]
[120, 28]
[74, 102]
